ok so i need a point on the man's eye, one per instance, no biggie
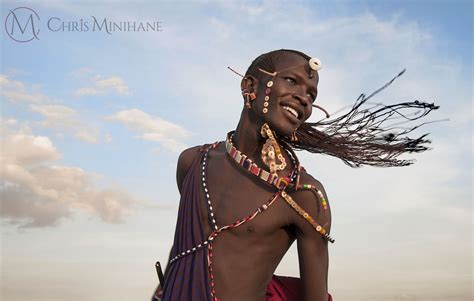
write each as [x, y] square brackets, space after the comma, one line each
[290, 80]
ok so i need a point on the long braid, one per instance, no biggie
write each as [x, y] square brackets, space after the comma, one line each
[367, 136]
[363, 136]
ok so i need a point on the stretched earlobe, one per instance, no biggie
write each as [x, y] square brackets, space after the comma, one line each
[249, 96]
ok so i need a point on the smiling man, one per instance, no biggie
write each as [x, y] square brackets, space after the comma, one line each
[246, 200]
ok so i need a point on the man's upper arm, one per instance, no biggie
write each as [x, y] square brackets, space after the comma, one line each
[184, 163]
[312, 247]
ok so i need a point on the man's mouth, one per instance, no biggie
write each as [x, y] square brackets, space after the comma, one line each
[292, 111]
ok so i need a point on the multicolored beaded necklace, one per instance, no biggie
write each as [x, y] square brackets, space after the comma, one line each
[243, 160]
[272, 179]
[253, 168]
[281, 183]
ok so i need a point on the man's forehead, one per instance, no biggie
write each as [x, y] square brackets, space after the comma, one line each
[289, 60]
[300, 64]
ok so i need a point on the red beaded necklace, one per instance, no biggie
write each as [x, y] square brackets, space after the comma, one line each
[281, 182]
[271, 179]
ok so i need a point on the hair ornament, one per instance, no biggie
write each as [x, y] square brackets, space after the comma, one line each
[315, 63]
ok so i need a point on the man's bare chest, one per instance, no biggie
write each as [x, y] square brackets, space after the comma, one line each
[235, 195]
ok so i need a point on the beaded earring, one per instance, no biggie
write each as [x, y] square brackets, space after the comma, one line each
[270, 149]
[248, 97]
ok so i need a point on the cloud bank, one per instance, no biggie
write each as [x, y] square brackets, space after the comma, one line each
[37, 192]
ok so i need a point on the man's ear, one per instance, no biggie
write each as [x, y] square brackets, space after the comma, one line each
[250, 83]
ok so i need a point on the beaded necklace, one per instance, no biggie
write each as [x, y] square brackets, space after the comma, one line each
[281, 184]
[272, 179]
[243, 160]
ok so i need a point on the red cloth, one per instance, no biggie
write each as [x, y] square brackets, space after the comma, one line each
[282, 288]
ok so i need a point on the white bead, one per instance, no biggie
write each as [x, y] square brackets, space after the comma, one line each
[315, 64]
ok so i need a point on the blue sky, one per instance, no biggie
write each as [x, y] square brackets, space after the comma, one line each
[92, 125]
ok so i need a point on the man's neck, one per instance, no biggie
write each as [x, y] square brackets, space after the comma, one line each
[248, 140]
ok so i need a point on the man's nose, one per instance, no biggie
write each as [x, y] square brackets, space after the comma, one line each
[301, 96]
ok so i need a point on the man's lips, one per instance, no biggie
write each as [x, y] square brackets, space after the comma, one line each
[292, 109]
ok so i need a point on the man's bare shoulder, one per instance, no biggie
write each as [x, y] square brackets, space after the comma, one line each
[307, 178]
[184, 163]
[187, 156]
[312, 203]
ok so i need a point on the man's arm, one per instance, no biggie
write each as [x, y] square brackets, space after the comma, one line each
[312, 248]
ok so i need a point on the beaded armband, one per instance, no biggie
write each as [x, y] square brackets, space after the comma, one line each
[316, 191]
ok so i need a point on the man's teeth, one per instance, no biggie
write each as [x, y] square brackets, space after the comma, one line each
[291, 110]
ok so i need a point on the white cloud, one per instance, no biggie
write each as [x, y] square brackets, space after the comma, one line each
[100, 86]
[152, 128]
[16, 91]
[59, 117]
[56, 115]
[63, 118]
[37, 193]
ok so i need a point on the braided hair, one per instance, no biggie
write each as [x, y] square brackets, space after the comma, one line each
[366, 135]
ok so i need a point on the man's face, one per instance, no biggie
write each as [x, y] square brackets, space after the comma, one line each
[292, 94]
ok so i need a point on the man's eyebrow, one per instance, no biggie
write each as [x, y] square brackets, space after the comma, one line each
[313, 88]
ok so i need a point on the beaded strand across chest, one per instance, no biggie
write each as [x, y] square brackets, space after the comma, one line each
[243, 160]
[281, 183]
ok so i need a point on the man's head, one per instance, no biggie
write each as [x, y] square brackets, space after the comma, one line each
[292, 91]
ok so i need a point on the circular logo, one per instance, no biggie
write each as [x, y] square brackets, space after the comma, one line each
[22, 24]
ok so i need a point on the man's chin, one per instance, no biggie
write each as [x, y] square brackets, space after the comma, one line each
[282, 130]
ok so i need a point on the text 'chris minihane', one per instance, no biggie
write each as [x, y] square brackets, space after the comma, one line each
[56, 24]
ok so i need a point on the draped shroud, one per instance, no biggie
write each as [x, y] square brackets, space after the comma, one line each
[188, 277]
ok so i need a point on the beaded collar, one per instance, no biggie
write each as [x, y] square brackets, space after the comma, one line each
[281, 192]
[281, 183]
[243, 160]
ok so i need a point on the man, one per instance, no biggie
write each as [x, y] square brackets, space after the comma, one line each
[246, 200]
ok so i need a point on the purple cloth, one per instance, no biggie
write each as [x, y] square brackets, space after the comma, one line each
[187, 278]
